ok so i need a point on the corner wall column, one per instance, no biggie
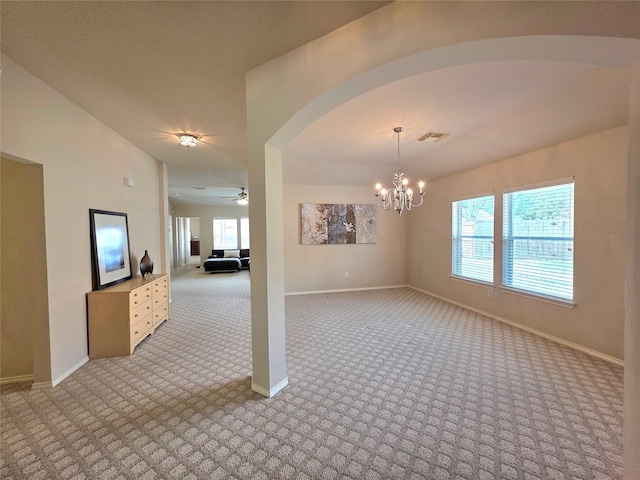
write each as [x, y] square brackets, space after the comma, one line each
[632, 293]
[267, 272]
[164, 218]
[24, 319]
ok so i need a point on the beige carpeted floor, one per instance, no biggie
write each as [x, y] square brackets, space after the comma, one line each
[384, 384]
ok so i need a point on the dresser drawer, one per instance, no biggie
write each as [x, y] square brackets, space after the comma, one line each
[160, 289]
[140, 295]
[160, 313]
[141, 328]
[140, 311]
[160, 298]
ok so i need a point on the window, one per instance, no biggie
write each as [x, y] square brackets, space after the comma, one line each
[225, 233]
[472, 238]
[538, 240]
[244, 232]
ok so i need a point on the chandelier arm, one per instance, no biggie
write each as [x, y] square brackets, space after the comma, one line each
[385, 204]
[421, 200]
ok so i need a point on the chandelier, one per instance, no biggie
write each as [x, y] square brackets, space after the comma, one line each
[401, 197]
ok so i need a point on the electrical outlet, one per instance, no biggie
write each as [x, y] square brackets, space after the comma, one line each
[346, 274]
[489, 292]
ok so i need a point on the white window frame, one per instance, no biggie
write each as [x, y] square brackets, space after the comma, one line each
[225, 246]
[468, 241]
[551, 279]
[244, 233]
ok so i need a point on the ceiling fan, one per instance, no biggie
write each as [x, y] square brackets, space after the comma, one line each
[242, 198]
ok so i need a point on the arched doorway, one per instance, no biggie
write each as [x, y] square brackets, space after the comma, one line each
[398, 41]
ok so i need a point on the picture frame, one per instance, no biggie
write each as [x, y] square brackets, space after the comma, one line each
[110, 251]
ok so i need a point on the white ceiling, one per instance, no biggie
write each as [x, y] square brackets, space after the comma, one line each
[150, 70]
[491, 110]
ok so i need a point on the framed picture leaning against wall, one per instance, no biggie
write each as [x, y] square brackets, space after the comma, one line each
[110, 253]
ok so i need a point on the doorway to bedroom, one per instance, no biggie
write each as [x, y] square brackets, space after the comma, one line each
[200, 233]
[194, 241]
[186, 250]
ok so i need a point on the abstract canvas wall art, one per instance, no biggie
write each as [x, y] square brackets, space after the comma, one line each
[337, 223]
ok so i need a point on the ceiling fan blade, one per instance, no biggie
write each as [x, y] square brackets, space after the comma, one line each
[240, 196]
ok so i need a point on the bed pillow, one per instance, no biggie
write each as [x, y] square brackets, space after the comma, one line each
[232, 254]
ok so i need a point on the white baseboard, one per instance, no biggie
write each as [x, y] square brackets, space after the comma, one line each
[56, 381]
[309, 292]
[16, 379]
[269, 393]
[553, 338]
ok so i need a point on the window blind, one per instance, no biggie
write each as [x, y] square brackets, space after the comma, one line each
[472, 238]
[537, 243]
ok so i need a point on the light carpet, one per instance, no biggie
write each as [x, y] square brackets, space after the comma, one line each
[384, 384]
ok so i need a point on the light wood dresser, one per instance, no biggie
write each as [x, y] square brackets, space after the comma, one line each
[122, 315]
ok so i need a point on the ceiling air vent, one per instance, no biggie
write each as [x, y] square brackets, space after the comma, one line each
[198, 188]
[433, 137]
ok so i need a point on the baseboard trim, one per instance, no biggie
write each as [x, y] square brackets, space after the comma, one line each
[553, 338]
[56, 381]
[266, 392]
[310, 292]
[16, 379]
[41, 386]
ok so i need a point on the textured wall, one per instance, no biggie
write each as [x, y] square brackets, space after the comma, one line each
[598, 163]
[632, 323]
[383, 263]
[84, 163]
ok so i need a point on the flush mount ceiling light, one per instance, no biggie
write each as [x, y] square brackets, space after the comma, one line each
[400, 198]
[187, 139]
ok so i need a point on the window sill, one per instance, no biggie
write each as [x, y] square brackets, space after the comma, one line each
[478, 283]
[541, 298]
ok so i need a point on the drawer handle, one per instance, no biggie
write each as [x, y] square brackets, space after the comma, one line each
[136, 332]
[136, 315]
